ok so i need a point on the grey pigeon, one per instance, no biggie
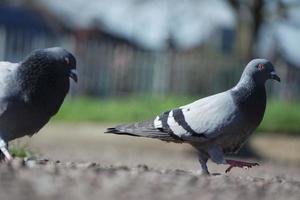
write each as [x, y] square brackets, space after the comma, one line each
[32, 91]
[216, 125]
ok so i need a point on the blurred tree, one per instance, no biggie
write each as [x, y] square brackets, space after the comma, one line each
[252, 21]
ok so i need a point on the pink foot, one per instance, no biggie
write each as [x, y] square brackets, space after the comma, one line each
[240, 164]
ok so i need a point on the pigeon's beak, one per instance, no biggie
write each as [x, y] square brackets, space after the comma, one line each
[73, 75]
[274, 76]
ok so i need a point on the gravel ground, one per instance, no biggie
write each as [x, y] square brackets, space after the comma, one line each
[79, 162]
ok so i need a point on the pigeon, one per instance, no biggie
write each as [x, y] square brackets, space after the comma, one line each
[216, 125]
[32, 91]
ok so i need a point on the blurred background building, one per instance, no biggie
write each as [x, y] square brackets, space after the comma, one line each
[160, 47]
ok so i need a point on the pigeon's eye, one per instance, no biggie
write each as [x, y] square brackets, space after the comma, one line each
[261, 66]
[67, 61]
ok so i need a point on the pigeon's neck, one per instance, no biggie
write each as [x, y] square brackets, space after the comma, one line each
[42, 87]
[250, 97]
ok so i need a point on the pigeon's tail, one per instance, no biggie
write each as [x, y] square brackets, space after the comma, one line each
[143, 129]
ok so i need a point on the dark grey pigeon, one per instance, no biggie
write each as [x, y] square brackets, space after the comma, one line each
[215, 125]
[32, 91]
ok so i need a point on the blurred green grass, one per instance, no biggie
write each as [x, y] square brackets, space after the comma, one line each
[280, 117]
[20, 149]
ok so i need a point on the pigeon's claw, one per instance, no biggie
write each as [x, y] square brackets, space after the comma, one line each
[240, 164]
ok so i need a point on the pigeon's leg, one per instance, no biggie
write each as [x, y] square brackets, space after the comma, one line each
[202, 157]
[216, 155]
[203, 160]
[3, 148]
[240, 164]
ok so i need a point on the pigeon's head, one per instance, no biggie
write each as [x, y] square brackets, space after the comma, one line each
[65, 62]
[56, 60]
[261, 70]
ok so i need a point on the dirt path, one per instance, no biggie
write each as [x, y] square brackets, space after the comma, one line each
[142, 169]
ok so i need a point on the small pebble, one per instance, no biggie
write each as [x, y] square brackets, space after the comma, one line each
[31, 163]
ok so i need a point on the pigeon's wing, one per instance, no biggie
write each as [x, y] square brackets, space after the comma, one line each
[197, 122]
[202, 119]
[7, 73]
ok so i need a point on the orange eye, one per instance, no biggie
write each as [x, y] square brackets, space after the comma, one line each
[261, 66]
[67, 60]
